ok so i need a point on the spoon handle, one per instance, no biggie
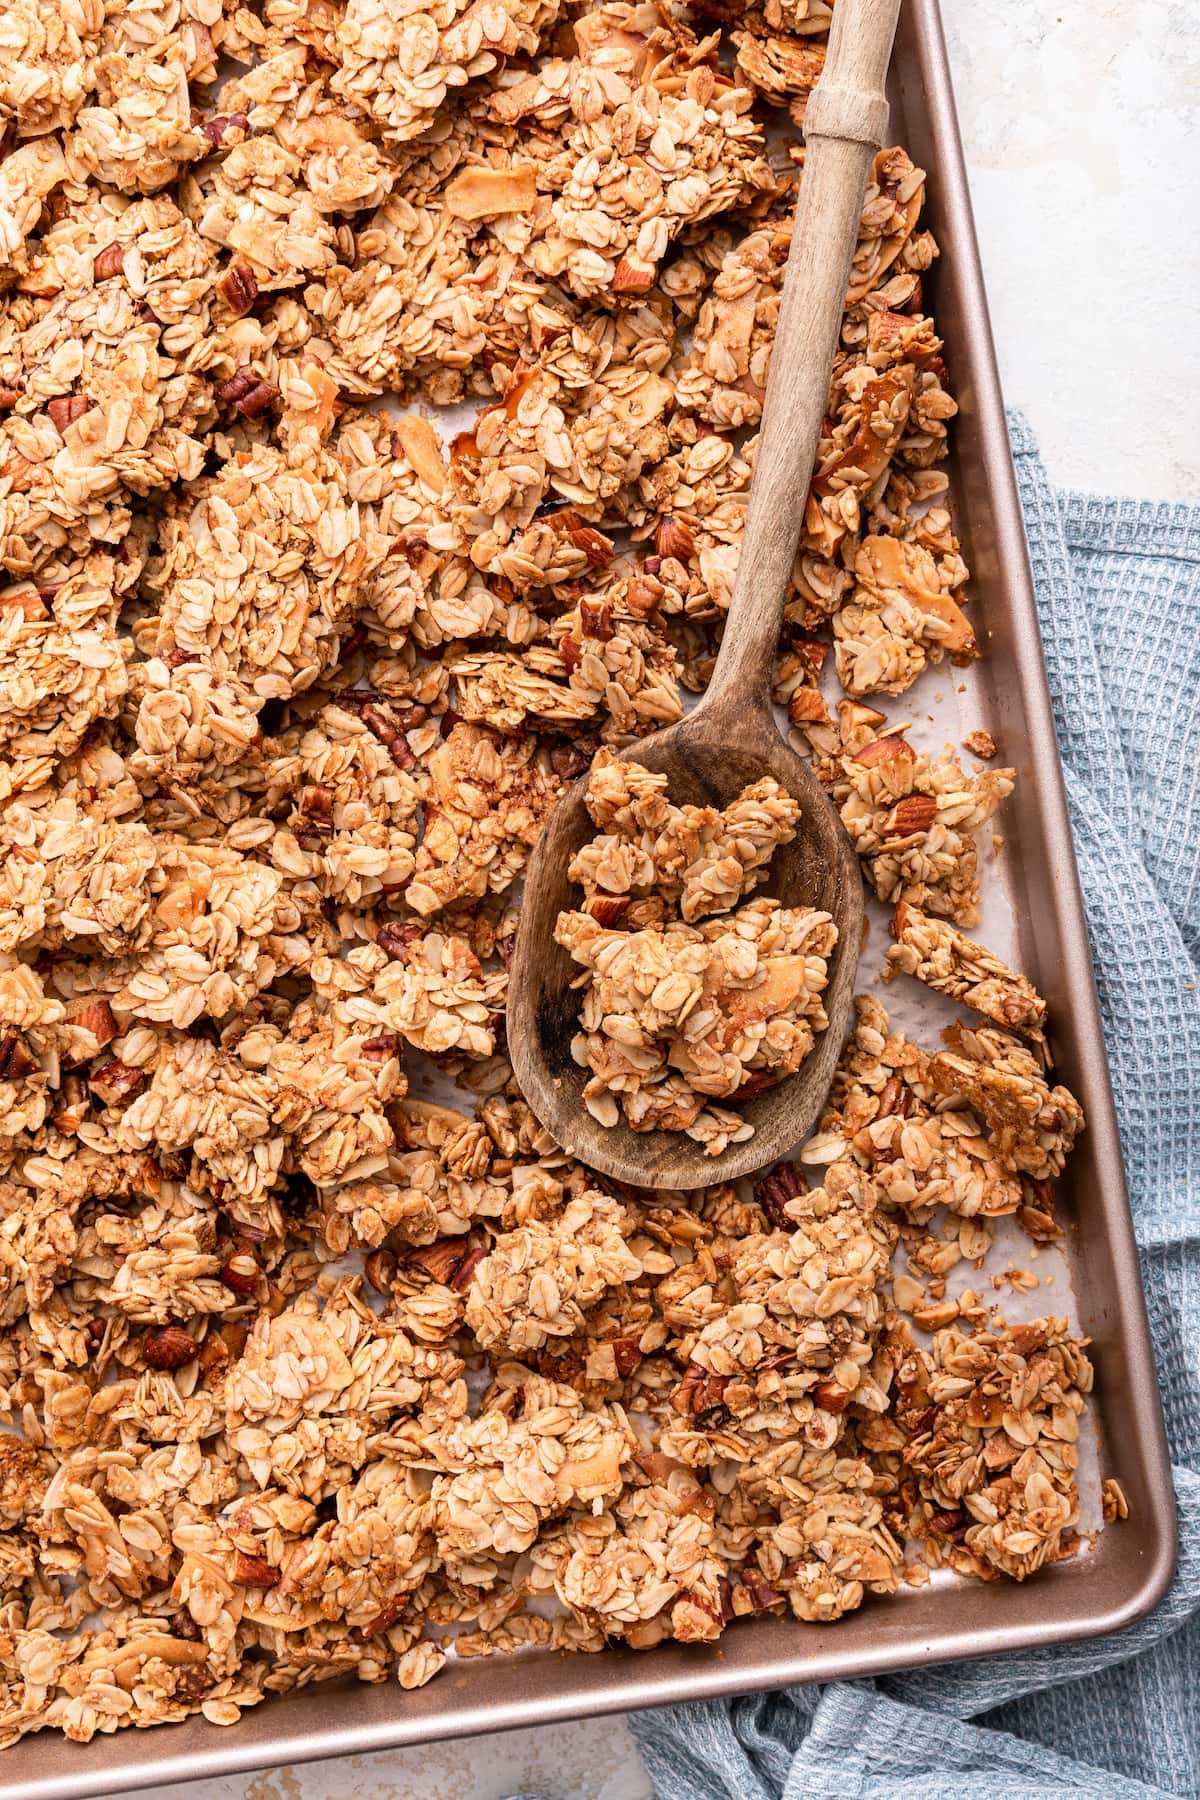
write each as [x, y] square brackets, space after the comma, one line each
[844, 124]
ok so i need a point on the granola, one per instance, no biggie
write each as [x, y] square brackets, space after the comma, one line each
[675, 1014]
[306, 1375]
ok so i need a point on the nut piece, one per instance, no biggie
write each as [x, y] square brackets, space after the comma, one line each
[168, 1348]
[916, 812]
[699, 1391]
[241, 1273]
[239, 284]
[254, 1571]
[246, 393]
[397, 940]
[631, 277]
[387, 1616]
[607, 909]
[16, 1058]
[110, 262]
[66, 409]
[379, 1267]
[673, 538]
[773, 1192]
[883, 750]
[116, 1083]
[95, 1016]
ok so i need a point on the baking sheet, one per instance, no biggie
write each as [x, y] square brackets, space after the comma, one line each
[1032, 917]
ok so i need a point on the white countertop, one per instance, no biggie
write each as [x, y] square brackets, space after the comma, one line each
[1081, 123]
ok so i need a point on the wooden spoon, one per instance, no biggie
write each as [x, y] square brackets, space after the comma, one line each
[731, 739]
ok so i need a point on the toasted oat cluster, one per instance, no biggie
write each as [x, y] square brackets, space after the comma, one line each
[677, 1014]
[303, 1373]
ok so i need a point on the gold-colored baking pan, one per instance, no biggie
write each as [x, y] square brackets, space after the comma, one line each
[1129, 1568]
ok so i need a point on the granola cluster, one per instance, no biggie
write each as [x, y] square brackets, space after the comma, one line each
[676, 1014]
[303, 1374]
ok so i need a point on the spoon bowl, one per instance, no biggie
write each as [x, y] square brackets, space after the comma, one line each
[707, 761]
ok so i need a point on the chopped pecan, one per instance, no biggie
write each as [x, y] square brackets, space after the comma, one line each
[239, 285]
[116, 1083]
[595, 620]
[831, 1397]
[627, 1354]
[895, 1097]
[315, 825]
[66, 409]
[644, 597]
[110, 262]
[698, 1391]
[16, 1058]
[71, 1105]
[461, 1278]
[217, 129]
[569, 762]
[444, 1259]
[397, 940]
[773, 1192]
[389, 1614]
[247, 393]
[951, 1525]
[390, 735]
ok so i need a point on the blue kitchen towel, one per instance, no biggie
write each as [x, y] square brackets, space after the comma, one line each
[1118, 590]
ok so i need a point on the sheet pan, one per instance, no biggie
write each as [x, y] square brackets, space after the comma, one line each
[1035, 915]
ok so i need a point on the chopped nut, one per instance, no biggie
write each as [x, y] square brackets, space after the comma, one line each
[247, 394]
[240, 288]
[254, 1571]
[168, 1348]
[110, 262]
[65, 410]
[241, 1273]
[116, 1083]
